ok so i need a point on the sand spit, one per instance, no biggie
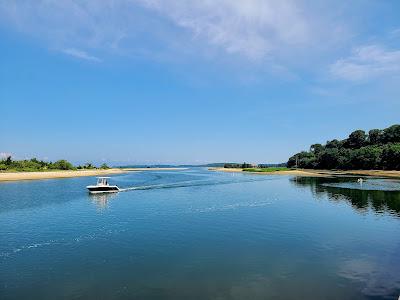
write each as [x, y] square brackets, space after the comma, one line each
[13, 176]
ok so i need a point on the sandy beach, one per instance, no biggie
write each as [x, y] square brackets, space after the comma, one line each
[290, 172]
[12, 176]
[319, 173]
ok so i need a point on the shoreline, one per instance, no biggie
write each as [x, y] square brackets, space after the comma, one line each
[318, 173]
[303, 173]
[16, 176]
[367, 173]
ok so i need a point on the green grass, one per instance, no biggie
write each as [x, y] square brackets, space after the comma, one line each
[266, 169]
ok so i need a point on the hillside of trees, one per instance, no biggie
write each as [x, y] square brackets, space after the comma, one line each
[30, 165]
[379, 149]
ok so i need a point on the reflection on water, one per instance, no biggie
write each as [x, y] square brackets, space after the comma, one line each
[361, 196]
[101, 200]
[370, 184]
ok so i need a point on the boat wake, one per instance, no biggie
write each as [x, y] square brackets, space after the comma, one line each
[188, 183]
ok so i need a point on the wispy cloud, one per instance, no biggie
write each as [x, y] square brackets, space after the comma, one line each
[80, 54]
[274, 36]
[367, 62]
[253, 29]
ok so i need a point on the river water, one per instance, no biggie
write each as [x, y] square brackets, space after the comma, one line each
[196, 234]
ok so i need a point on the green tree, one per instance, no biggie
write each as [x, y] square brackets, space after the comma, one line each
[333, 144]
[316, 148]
[88, 166]
[329, 159]
[303, 160]
[391, 157]
[344, 159]
[375, 136]
[9, 160]
[232, 165]
[377, 150]
[62, 165]
[246, 165]
[356, 139]
[392, 134]
[366, 158]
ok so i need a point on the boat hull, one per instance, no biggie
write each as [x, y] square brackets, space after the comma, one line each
[102, 189]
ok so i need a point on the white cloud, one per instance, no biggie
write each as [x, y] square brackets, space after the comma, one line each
[252, 29]
[80, 54]
[367, 62]
[70, 25]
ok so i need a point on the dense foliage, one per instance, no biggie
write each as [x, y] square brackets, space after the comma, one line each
[262, 166]
[247, 166]
[379, 149]
[34, 164]
[238, 166]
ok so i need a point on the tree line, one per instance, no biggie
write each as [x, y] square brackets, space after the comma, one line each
[237, 165]
[379, 149]
[8, 164]
[247, 165]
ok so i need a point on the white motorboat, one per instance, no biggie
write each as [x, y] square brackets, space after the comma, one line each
[102, 186]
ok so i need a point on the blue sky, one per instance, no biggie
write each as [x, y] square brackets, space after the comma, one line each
[152, 81]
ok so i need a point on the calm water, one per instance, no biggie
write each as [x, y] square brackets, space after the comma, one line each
[201, 235]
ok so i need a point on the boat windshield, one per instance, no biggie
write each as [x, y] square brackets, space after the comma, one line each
[102, 181]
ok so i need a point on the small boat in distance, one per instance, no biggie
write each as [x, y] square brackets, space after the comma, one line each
[102, 186]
